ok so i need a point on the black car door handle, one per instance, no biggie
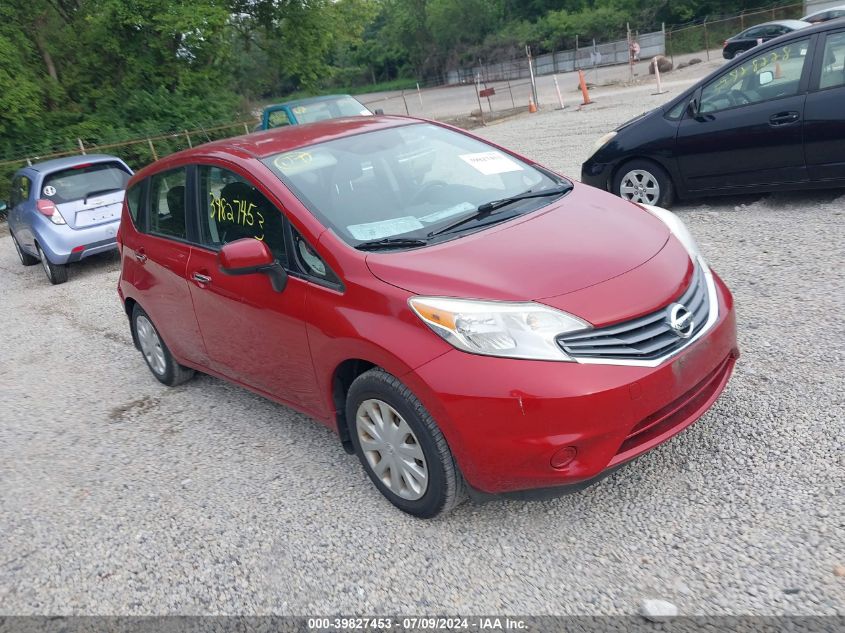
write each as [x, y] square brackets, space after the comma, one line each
[784, 118]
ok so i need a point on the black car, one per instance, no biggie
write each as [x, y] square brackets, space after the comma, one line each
[761, 33]
[774, 119]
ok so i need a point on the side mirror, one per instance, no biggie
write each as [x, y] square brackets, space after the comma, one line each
[766, 77]
[378, 111]
[692, 107]
[248, 256]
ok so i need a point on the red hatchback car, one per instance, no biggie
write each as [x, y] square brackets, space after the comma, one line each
[468, 321]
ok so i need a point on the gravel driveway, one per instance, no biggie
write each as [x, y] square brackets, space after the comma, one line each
[120, 496]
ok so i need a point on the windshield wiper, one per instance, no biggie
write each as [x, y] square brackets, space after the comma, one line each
[98, 192]
[390, 242]
[488, 207]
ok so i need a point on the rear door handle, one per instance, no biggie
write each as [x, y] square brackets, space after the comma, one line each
[201, 279]
[784, 118]
[140, 256]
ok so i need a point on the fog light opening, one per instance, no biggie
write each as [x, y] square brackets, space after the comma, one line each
[563, 457]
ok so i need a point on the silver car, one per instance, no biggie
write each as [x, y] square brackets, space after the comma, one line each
[61, 211]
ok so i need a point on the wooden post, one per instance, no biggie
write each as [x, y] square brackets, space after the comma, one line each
[152, 149]
[742, 20]
[478, 96]
[575, 64]
[405, 101]
[188, 136]
[81, 146]
[559, 97]
[246, 128]
[513, 104]
[706, 40]
[419, 94]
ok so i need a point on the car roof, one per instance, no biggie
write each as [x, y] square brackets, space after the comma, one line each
[71, 161]
[308, 100]
[794, 24]
[841, 7]
[285, 139]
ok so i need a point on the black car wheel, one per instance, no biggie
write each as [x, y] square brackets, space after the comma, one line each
[56, 273]
[400, 446]
[644, 181]
[26, 258]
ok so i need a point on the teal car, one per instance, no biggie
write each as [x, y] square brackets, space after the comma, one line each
[311, 110]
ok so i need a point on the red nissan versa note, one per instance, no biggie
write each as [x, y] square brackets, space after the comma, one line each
[465, 319]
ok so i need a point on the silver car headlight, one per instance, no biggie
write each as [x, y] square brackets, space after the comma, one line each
[495, 328]
[604, 140]
[678, 229]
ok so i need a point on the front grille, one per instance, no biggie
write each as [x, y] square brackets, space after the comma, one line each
[645, 338]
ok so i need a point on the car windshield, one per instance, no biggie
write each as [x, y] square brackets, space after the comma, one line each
[329, 109]
[75, 183]
[411, 181]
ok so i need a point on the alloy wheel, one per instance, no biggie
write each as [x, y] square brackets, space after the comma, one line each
[151, 345]
[639, 185]
[391, 449]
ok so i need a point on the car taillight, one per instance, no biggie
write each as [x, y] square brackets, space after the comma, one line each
[49, 208]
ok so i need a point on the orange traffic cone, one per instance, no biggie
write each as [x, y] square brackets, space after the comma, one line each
[531, 105]
[584, 92]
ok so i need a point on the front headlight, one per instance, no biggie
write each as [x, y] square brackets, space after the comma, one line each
[604, 140]
[678, 229]
[493, 328]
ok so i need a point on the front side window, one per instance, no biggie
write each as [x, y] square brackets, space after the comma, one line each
[167, 203]
[232, 208]
[133, 201]
[833, 62]
[76, 183]
[411, 181]
[770, 75]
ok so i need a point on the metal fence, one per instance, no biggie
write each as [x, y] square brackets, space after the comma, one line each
[588, 55]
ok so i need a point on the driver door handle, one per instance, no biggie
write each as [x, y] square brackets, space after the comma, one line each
[201, 279]
[784, 118]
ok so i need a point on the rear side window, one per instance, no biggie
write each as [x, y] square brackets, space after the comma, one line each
[232, 208]
[833, 62]
[277, 118]
[167, 203]
[76, 183]
[21, 189]
[133, 202]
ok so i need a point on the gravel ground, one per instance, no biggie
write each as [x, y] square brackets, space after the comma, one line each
[120, 496]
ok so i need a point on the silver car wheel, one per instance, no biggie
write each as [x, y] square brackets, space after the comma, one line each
[639, 185]
[391, 449]
[151, 345]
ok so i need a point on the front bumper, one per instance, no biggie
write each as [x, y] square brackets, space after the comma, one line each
[504, 419]
[596, 174]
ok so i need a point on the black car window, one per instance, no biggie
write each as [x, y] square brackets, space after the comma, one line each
[833, 62]
[133, 201]
[772, 74]
[167, 203]
[752, 33]
[75, 183]
[232, 208]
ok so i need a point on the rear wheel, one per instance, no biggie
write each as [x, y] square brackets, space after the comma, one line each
[645, 182]
[400, 446]
[155, 352]
[56, 273]
[26, 258]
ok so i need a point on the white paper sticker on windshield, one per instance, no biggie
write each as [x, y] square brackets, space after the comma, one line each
[490, 163]
[463, 207]
[384, 228]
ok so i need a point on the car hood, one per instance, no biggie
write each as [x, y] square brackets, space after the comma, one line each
[584, 238]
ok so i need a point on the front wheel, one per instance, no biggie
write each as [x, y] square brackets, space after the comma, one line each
[155, 352]
[400, 446]
[56, 273]
[645, 182]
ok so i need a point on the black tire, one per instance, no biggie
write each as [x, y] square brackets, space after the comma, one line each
[26, 258]
[666, 192]
[445, 487]
[56, 273]
[168, 372]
